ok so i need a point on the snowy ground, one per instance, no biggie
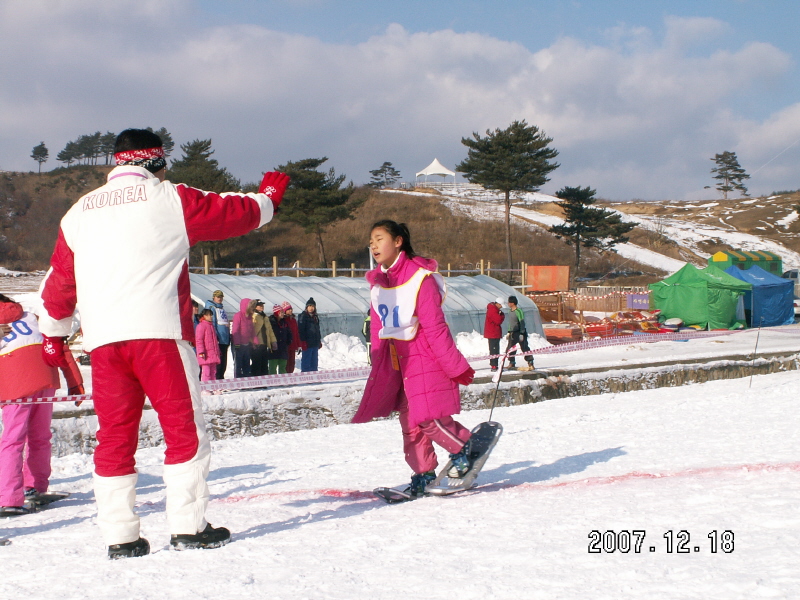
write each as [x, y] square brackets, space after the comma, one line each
[705, 458]
[718, 457]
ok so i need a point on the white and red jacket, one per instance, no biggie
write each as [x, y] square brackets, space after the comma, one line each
[127, 243]
[22, 370]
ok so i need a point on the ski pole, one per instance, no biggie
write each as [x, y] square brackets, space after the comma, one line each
[497, 376]
[752, 362]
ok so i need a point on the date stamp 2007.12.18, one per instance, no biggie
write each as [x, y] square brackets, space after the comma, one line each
[670, 542]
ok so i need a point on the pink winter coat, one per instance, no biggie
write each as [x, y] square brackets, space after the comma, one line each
[206, 343]
[428, 363]
[243, 329]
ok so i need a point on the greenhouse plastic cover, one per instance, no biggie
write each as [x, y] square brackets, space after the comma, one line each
[343, 302]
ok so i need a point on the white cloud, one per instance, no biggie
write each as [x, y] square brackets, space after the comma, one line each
[634, 118]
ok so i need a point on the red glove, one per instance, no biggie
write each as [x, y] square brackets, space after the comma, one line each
[466, 377]
[273, 185]
[53, 352]
[78, 390]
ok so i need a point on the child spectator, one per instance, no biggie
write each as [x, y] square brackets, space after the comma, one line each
[294, 346]
[207, 346]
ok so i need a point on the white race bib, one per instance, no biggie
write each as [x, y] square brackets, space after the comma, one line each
[396, 306]
[24, 332]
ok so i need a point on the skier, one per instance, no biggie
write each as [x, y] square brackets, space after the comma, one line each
[416, 367]
[130, 239]
[25, 444]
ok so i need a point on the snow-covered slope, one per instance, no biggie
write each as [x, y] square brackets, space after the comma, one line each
[687, 233]
[683, 464]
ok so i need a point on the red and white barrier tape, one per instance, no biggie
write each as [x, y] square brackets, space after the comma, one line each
[289, 379]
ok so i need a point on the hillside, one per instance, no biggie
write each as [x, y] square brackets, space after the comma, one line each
[32, 205]
[458, 229]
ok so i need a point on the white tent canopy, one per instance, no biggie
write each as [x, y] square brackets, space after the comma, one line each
[437, 168]
[343, 302]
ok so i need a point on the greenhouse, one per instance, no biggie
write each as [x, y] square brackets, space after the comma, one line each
[343, 302]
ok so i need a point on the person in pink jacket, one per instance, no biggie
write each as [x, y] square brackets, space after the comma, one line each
[242, 333]
[25, 442]
[416, 367]
[207, 346]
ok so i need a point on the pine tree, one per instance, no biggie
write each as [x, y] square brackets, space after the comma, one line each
[69, 154]
[107, 141]
[587, 226]
[729, 173]
[166, 139]
[515, 159]
[385, 176]
[197, 169]
[40, 154]
[315, 199]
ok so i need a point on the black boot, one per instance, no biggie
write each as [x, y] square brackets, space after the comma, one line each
[210, 537]
[14, 511]
[140, 547]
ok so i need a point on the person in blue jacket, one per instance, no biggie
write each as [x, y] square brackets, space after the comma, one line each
[223, 326]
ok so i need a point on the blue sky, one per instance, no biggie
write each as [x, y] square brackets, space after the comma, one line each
[637, 96]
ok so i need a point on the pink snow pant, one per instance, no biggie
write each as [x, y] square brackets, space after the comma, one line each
[25, 424]
[418, 441]
[208, 372]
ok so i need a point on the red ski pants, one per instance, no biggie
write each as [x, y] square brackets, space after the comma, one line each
[123, 373]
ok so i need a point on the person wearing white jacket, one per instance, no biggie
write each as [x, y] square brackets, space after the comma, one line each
[130, 239]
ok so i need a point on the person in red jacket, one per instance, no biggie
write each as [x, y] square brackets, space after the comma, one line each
[493, 329]
[25, 444]
[130, 239]
[294, 345]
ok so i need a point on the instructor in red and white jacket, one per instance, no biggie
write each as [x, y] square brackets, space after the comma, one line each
[130, 239]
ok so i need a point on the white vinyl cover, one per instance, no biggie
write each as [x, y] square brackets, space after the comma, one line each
[343, 302]
[436, 168]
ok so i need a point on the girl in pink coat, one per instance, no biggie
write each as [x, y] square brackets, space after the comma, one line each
[207, 346]
[416, 367]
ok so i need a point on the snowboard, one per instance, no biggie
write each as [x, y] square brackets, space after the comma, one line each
[40, 501]
[483, 439]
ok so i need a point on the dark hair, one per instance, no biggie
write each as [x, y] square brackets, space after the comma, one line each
[206, 311]
[397, 230]
[137, 139]
[4, 298]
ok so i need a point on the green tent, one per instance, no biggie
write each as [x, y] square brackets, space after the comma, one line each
[705, 297]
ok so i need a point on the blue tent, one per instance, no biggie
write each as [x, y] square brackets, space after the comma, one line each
[772, 298]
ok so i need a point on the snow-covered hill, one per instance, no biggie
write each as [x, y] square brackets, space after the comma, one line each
[693, 226]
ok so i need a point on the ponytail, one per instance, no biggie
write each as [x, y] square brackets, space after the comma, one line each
[397, 230]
